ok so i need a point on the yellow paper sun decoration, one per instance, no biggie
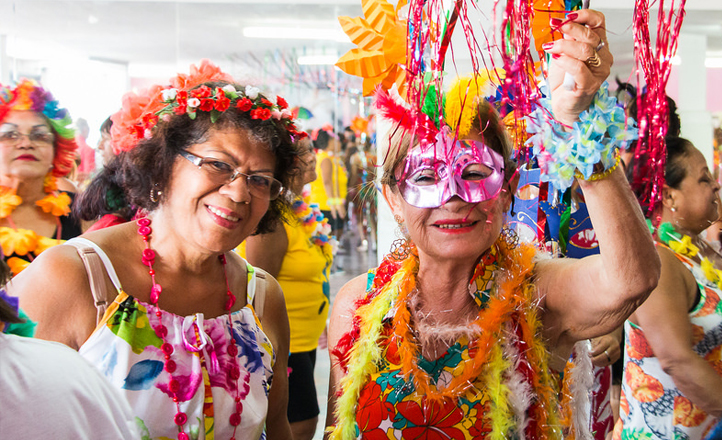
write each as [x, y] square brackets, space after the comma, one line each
[381, 53]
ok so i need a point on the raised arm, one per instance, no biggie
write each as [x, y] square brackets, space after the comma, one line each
[592, 296]
[664, 318]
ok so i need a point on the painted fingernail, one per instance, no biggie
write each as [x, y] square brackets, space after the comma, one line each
[556, 22]
[555, 56]
[547, 46]
[572, 16]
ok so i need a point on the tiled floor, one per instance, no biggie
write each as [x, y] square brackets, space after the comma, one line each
[354, 263]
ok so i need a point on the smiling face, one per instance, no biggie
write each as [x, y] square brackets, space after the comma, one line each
[455, 230]
[212, 216]
[26, 146]
[696, 200]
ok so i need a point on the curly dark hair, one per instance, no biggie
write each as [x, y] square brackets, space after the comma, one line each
[149, 165]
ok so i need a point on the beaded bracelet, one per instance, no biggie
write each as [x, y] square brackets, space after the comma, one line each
[600, 175]
[594, 138]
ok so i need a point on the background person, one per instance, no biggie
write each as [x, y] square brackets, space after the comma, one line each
[673, 353]
[329, 190]
[37, 149]
[49, 379]
[299, 255]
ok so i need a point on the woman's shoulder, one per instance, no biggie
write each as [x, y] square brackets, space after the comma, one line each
[350, 293]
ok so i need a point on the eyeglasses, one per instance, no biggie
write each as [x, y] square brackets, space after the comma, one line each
[263, 187]
[39, 138]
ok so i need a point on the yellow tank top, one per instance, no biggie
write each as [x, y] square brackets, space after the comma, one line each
[339, 181]
[304, 280]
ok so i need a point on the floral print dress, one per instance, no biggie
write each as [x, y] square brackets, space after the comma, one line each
[651, 406]
[127, 351]
[387, 407]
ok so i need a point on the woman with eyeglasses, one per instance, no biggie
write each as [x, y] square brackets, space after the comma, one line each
[196, 338]
[37, 148]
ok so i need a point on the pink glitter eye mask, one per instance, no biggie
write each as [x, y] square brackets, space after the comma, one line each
[433, 174]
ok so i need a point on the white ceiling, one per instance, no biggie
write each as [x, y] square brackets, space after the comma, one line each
[176, 33]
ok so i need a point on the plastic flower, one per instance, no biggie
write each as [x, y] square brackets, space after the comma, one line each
[201, 92]
[57, 205]
[17, 265]
[194, 102]
[169, 94]
[207, 105]
[380, 57]
[221, 103]
[205, 72]
[125, 122]
[684, 246]
[45, 243]
[8, 201]
[282, 104]
[260, 113]
[50, 183]
[252, 92]
[17, 241]
[244, 104]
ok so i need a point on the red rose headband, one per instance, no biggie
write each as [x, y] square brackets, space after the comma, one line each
[188, 95]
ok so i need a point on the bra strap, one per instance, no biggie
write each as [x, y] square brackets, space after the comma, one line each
[94, 259]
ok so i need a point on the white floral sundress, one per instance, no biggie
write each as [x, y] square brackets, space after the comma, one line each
[126, 350]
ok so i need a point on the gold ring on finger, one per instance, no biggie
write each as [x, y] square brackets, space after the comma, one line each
[594, 60]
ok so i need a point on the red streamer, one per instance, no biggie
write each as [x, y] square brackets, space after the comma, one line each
[652, 115]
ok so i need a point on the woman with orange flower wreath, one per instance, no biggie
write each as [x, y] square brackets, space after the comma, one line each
[37, 147]
[194, 337]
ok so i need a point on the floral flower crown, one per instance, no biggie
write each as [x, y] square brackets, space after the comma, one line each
[188, 95]
[29, 96]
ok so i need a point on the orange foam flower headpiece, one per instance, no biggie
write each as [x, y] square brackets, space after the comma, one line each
[188, 95]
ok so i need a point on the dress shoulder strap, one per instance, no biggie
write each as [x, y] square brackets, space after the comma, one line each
[94, 259]
[256, 288]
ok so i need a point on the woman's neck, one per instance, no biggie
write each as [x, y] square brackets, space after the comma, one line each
[443, 285]
[30, 190]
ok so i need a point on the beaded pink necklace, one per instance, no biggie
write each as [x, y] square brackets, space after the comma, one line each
[161, 331]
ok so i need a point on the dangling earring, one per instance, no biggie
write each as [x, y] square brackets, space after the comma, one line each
[401, 231]
[401, 247]
[155, 193]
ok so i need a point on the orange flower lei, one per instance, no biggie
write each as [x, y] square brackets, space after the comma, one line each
[507, 319]
[24, 241]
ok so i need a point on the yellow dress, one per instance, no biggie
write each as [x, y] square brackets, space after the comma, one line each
[339, 181]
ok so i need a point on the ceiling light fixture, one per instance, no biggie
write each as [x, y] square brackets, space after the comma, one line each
[291, 33]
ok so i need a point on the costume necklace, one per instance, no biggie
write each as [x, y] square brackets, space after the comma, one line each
[24, 242]
[682, 244]
[181, 418]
